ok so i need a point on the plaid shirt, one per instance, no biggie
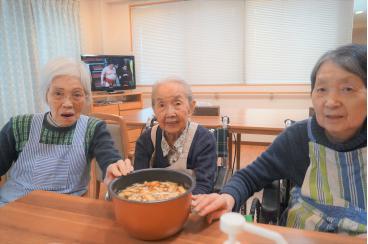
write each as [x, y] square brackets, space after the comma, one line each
[64, 136]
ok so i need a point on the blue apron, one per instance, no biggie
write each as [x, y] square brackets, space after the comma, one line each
[49, 167]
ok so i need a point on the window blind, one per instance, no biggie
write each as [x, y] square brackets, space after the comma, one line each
[284, 39]
[237, 41]
[200, 41]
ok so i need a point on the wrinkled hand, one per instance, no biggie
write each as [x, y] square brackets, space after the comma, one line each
[212, 205]
[119, 168]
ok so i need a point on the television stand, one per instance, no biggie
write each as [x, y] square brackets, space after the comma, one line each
[116, 102]
[115, 92]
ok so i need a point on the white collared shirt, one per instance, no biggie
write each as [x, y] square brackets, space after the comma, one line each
[173, 153]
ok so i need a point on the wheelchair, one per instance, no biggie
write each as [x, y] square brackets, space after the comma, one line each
[275, 200]
[224, 170]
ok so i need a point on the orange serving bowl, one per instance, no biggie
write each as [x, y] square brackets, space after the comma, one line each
[157, 219]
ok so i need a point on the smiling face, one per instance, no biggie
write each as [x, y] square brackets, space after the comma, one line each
[172, 109]
[340, 102]
[66, 99]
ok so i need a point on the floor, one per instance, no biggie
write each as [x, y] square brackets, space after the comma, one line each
[250, 153]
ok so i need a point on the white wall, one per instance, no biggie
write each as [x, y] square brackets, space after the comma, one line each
[253, 96]
[91, 26]
[105, 26]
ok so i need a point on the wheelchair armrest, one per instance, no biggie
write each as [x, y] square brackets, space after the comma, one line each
[270, 203]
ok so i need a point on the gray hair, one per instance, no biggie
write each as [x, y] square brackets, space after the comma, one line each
[352, 58]
[176, 80]
[66, 67]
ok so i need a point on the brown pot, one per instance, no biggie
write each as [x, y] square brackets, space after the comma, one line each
[152, 220]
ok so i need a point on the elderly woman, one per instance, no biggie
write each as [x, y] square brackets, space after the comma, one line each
[325, 156]
[52, 151]
[176, 142]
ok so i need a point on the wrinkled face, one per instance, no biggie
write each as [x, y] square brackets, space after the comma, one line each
[172, 108]
[340, 101]
[66, 98]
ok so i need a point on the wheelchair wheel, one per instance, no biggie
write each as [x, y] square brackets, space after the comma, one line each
[255, 209]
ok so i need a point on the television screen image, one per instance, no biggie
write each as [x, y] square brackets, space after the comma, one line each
[111, 72]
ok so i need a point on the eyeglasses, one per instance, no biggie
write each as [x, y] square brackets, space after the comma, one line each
[61, 96]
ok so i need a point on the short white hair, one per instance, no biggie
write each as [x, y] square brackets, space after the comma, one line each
[65, 67]
[172, 79]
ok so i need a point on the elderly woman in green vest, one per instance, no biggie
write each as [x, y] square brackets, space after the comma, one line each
[325, 156]
[52, 151]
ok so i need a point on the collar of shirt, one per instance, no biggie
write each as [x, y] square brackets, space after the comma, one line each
[50, 120]
[176, 150]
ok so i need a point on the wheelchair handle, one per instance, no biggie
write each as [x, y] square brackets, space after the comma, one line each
[225, 121]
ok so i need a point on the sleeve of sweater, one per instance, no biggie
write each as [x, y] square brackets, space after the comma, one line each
[202, 157]
[286, 158]
[143, 150]
[8, 152]
[102, 147]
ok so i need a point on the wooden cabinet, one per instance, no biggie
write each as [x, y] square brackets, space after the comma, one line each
[103, 102]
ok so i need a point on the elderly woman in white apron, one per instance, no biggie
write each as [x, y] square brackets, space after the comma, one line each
[325, 155]
[176, 142]
[52, 151]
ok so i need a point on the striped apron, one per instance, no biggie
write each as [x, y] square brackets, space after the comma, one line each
[49, 167]
[333, 196]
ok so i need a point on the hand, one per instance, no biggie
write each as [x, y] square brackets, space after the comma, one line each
[119, 168]
[362, 235]
[212, 205]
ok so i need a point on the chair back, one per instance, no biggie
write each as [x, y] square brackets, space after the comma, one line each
[206, 111]
[118, 129]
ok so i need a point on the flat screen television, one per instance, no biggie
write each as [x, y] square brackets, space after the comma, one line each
[111, 73]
